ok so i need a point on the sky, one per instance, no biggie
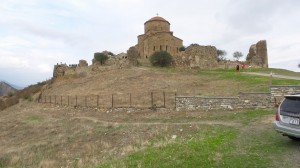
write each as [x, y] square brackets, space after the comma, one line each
[37, 34]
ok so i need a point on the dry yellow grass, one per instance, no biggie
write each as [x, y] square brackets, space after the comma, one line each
[133, 87]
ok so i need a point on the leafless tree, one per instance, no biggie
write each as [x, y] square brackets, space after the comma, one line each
[237, 55]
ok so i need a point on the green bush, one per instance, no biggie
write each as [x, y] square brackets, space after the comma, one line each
[161, 58]
[100, 57]
[110, 53]
[182, 48]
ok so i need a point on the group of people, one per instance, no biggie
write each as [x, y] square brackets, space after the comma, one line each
[238, 67]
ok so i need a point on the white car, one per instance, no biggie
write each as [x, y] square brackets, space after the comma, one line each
[288, 117]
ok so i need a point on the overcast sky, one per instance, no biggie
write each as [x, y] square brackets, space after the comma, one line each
[36, 34]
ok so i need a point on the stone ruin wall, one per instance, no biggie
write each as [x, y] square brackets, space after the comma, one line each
[195, 55]
[61, 70]
[82, 69]
[258, 55]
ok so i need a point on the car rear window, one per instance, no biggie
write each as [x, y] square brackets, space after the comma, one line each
[291, 104]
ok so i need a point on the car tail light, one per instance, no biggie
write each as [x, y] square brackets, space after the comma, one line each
[277, 115]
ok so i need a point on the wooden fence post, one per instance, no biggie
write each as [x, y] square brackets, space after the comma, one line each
[175, 99]
[164, 99]
[112, 100]
[130, 99]
[60, 100]
[76, 101]
[50, 100]
[55, 99]
[68, 100]
[85, 102]
[151, 99]
[45, 99]
[97, 100]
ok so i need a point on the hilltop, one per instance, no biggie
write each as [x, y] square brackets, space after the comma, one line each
[6, 89]
[138, 80]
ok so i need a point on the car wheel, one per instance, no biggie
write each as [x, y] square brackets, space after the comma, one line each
[294, 138]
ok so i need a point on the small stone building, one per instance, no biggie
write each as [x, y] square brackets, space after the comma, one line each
[157, 37]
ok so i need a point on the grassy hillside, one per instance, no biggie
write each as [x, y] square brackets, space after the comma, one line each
[46, 135]
[139, 80]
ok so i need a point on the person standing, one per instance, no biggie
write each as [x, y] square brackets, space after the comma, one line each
[243, 66]
[238, 68]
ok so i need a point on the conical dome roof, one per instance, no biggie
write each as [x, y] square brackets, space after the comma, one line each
[157, 18]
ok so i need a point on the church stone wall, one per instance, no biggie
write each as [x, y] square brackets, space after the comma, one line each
[157, 37]
[159, 26]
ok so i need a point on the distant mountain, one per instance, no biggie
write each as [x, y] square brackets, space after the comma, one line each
[6, 88]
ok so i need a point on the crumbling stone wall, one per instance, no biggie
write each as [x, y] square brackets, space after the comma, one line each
[203, 57]
[117, 62]
[133, 56]
[258, 55]
[59, 70]
[82, 63]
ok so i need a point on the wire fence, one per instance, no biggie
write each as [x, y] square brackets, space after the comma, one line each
[118, 100]
[157, 99]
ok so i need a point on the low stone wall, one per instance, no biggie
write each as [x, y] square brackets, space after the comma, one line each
[278, 91]
[259, 100]
[205, 103]
[244, 100]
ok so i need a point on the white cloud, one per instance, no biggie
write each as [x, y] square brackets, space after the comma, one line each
[35, 35]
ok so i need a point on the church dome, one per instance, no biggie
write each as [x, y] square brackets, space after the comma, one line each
[157, 24]
[157, 18]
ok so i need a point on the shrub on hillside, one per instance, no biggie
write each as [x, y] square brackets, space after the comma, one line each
[182, 48]
[161, 58]
[100, 57]
[111, 53]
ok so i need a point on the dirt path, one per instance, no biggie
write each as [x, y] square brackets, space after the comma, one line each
[273, 75]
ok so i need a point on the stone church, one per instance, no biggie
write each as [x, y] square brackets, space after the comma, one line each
[157, 37]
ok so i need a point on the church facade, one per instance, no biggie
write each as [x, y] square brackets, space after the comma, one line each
[157, 37]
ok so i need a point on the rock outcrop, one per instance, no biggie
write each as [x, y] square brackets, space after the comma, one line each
[258, 55]
[6, 89]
